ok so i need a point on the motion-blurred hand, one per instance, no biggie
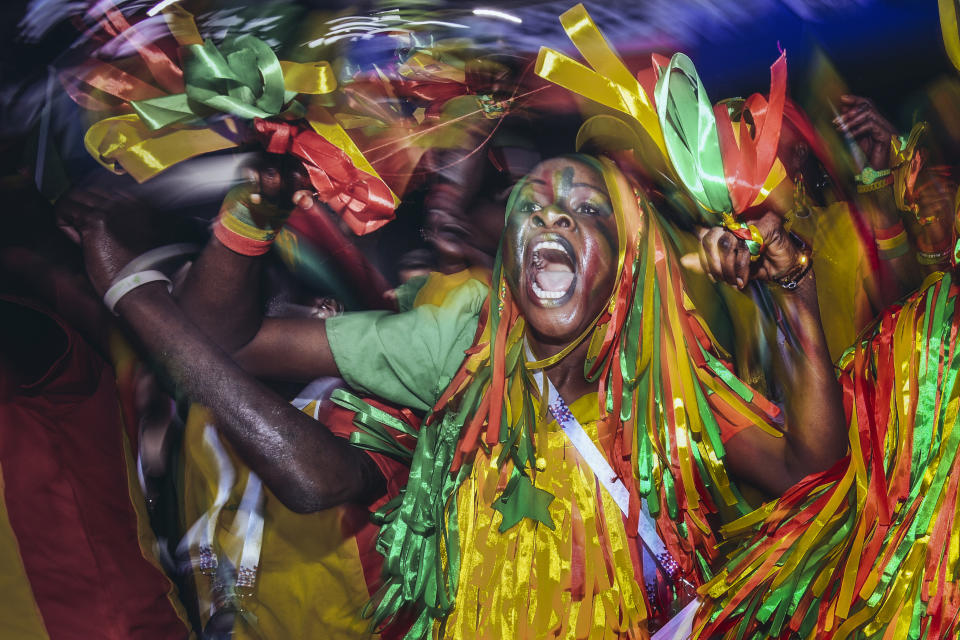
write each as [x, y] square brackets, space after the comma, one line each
[860, 119]
[725, 257]
[110, 227]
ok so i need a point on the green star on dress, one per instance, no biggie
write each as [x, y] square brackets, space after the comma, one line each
[520, 499]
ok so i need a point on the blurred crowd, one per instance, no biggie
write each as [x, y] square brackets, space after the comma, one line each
[378, 170]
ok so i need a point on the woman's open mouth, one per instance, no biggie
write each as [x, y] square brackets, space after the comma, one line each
[551, 272]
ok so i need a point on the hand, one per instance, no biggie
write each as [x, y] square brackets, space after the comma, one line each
[112, 227]
[272, 183]
[93, 218]
[860, 119]
[725, 257]
[932, 227]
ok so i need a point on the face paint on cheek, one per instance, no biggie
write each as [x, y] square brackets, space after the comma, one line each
[603, 262]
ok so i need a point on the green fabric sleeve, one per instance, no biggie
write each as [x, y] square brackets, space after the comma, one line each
[407, 292]
[407, 358]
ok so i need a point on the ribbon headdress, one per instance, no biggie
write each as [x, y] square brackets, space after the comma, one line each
[726, 166]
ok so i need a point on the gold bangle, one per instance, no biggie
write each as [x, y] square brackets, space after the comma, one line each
[875, 186]
[791, 278]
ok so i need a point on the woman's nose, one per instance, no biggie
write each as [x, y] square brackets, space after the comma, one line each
[553, 217]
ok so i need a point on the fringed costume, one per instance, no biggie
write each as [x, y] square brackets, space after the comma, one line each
[869, 548]
[501, 522]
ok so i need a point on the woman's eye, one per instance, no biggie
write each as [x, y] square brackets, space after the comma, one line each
[588, 209]
[529, 207]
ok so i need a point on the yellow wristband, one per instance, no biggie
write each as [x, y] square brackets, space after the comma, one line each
[241, 228]
[892, 243]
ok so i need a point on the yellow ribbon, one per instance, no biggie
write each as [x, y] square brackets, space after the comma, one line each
[948, 26]
[608, 82]
[182, 26]
[314, 78]
[123, 144]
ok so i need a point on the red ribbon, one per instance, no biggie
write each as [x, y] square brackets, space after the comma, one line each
[116, 82]
[363, 201]
[748, 163]
[491, 75]
[161, 66]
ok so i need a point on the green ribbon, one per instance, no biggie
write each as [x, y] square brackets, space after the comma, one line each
[418, 529]
[243, 78]
[690, 133]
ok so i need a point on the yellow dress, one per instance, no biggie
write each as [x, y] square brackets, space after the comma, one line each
[310, 581]
[574, 581]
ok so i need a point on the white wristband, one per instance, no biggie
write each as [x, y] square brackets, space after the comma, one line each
[154, 258]
[126, 284]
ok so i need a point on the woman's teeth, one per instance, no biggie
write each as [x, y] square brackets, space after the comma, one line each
[549, 244]
[547, 295]
[553, 270]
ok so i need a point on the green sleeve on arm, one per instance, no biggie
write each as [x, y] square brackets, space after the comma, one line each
[407, 358]
[407, 292]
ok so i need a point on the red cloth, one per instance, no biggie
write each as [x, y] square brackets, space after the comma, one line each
[66, 491]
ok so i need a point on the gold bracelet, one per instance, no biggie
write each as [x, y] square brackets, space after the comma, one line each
[882, 183]
[791, 278]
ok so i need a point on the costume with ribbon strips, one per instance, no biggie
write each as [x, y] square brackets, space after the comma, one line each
[495, 487]
[870, 548]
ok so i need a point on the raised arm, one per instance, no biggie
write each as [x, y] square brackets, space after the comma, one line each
[815, 436]
[306, 466]
[222, 296]
[866, 130]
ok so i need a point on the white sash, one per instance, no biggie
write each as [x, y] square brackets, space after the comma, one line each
[680, 626]
[247, 526]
